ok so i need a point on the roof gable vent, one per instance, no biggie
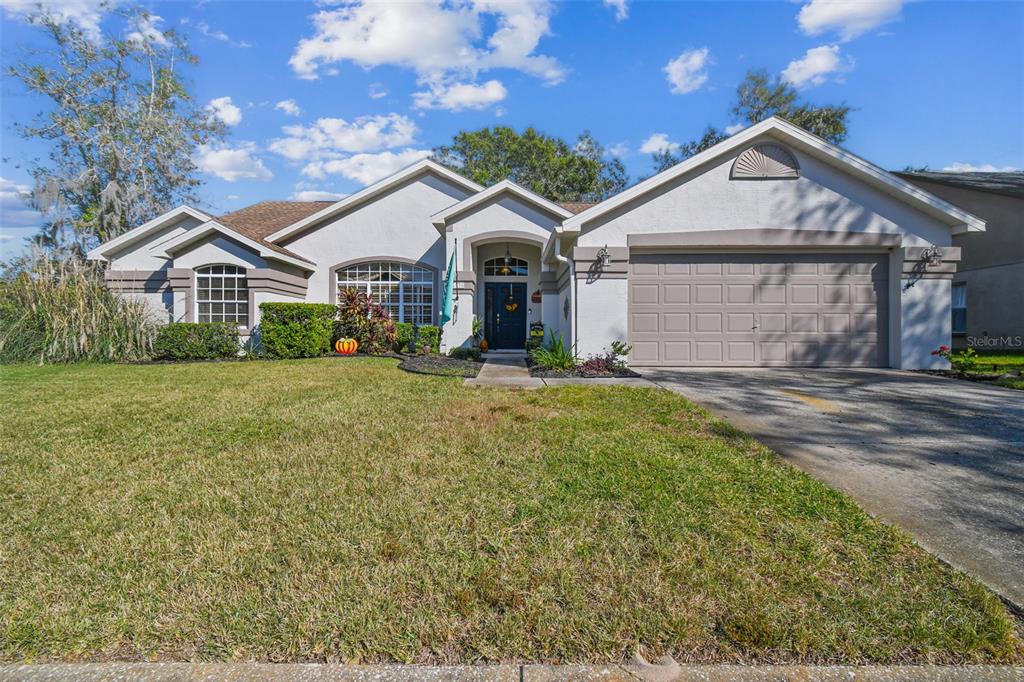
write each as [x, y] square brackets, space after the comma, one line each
[765, 162]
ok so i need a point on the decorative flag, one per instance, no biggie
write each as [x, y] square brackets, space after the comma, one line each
[448, 300]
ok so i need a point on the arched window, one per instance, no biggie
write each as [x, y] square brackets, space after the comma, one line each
[506, 267]
[407, 291]
[222, 294]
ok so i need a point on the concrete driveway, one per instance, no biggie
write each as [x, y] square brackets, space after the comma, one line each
[942, 458]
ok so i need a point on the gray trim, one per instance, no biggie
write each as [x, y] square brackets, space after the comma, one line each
[766, 237]
[136, 281]
[183, 279]
[548, 282]
[914, 268]
[332, 277]
[275, 281]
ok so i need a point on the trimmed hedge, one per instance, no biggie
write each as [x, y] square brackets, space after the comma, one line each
[196, 341]
[428, 337]
[296, 330]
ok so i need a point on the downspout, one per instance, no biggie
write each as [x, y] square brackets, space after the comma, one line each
[572, 288]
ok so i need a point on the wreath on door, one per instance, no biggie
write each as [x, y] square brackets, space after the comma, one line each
[510, 303]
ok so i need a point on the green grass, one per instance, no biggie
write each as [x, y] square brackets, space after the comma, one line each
[348, 511]
[999, 362]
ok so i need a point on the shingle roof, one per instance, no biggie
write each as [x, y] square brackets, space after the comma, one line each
[266, 217]
[1011, 184]
[576, 206]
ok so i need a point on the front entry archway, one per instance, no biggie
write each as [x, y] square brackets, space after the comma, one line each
[505, 315]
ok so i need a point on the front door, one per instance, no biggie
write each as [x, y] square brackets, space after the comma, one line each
[505, 315]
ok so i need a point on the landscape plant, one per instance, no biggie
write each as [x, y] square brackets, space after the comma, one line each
[364, 320]
[196, 341]
[961, 361]
[296, 330]
[610, 361]
[554, 354]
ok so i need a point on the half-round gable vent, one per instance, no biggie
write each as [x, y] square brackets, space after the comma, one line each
[765, 162]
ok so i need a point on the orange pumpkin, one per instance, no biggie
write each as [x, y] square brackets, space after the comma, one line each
[346, 346]
[483, 346]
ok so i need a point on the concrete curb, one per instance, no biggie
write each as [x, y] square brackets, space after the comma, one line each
[666, 671]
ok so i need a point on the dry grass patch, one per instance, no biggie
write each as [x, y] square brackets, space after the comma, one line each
[348, 511]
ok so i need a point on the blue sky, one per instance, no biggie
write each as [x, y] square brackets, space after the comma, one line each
[323, 98]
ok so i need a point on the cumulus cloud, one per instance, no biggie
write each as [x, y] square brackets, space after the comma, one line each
[316, 195]
[333, 136]
[621, 8]
[848, 18]
[688, 72]
[289, 106]
[232, 163]
[459, 96]
[447, 45]
[86, 14]
[224, 109]
[618, 150]
[815, 67]
[658, 142]
[960, 167]
[366, 168]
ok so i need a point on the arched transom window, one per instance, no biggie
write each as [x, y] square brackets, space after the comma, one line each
[222, 294]
[506, 267]
[407, 291]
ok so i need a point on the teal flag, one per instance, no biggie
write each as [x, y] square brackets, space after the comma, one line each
[448, 300]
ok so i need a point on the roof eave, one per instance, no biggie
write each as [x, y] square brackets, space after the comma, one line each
[213, 226]
[441, 218]
[101, 252]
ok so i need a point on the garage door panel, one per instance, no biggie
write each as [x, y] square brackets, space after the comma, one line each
[759, 309]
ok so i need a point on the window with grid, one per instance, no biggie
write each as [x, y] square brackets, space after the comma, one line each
[407, 291]
[222, 294]
[959, 308]
[498, 267]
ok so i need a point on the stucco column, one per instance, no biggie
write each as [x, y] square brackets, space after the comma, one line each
[925, 297]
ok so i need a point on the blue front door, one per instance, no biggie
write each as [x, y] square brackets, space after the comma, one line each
[505, 315]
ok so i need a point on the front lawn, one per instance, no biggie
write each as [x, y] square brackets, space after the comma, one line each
[1002, 362]
[349, 511]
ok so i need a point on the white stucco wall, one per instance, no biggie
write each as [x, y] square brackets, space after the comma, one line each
[926, 323]
[143, 254]
[394, 225]
[602, 315]
[159, 304]
[217, 251]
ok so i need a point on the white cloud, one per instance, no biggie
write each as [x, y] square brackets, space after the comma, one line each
[232, 197]
[14, 211]
[329, 137]
[148, 31]
[289, 106]
[621, 8]
[316, 195]
[848, 18]
[735, 128]
[618, 150]
[231, 164]
[225, 110]
[816, 66]
[440, 42]
[223, 37]
[658, 142]
[459, 96]
[377, 91]
[86, 14]
[960, 167]
[366, 168]
[688, 72]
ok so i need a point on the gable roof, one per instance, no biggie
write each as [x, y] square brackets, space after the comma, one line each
[266, 217]
[957, 218]
[371, 191]
[1009, 184]
[260, 246]
[441, 218]
[108, 247]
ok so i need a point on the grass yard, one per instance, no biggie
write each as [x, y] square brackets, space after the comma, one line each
[1001, 362]
[348, 511]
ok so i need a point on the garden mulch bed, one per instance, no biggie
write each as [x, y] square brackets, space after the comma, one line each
[1006, 380]
[440, 365]
[542, 373]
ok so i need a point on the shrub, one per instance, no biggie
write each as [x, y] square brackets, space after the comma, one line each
[554, 354]
[429, 338]
[532, 343]
[196, 341]
[62, 311]
[365, 321]
[426, 338]
[962, 362]
[609, 361]
[404, 332]
[296, 330]
[465, 353]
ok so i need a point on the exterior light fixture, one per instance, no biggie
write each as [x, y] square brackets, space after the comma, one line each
[932, 256]
[603, 257]
[507, 267]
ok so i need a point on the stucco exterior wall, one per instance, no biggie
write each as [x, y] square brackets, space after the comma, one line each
[218, 251]
[143, 254]
[602, 315]
[394, 225]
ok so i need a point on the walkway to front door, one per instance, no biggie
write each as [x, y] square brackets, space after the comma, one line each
[505, 315]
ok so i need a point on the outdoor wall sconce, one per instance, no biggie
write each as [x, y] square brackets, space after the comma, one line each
[603, 257]
[932, 256]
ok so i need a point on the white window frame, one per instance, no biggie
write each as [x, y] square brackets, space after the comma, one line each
[958, 287]
[409, 275]
[240, 272]
[499, 262]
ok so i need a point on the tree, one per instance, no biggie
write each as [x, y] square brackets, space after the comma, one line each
[541, 163]
[761, 96]
[122, 126]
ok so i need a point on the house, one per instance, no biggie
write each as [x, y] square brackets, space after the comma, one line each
[987, 312]
[771, 248]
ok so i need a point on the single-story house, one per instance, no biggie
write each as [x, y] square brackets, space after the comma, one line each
[773, 248]
[987, 311]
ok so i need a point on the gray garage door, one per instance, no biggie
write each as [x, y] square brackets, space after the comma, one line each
[758, 309]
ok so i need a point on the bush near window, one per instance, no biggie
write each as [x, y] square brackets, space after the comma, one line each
[296, 330]
[465, 353]
[369, 323]
[426, 336]
[196, 341]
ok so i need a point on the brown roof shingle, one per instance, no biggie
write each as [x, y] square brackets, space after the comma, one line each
[576, 206]
[259, 221]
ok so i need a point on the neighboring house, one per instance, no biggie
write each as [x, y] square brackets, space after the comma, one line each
[987, 288]
[771, 248]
